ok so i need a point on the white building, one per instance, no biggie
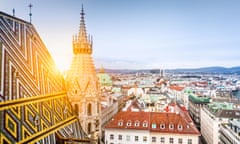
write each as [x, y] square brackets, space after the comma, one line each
[212, 116]
[129, 127]
[229, 133]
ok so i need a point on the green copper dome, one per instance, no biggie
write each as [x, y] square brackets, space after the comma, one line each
[104, 78]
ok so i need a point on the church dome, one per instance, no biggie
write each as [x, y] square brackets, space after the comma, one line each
[104, 78]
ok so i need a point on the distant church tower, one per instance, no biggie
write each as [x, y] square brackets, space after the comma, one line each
[82, 83]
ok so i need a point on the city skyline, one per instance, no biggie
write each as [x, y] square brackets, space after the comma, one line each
[139, 34]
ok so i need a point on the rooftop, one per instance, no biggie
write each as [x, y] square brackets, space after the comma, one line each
[199, 100]
[224, 110]
[164, 122]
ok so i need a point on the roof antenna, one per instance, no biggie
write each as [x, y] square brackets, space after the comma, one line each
[30, 12]
[13, 11]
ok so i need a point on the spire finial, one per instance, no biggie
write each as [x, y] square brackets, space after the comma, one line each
[30, 12]
[82, 31]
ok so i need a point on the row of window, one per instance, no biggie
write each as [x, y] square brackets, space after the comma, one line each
[145, 124]
[136, 138]
[137, 123]
[154, 139]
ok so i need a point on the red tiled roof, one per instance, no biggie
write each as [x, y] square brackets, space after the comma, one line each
[151, 118]
[177, 88]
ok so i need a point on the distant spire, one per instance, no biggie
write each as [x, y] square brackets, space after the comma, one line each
[13, 11]
[30, 12]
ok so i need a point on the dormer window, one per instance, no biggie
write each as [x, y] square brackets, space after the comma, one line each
[137, 123]
[154, 125]
[120, 123]
[162, 126]
[171, 126]
[145, 124]
[180, 127]
[129, 123]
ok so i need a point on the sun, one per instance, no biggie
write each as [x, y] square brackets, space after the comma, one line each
[62, 65]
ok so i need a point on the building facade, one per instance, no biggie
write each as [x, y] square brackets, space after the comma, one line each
[230, 133]
[213, 116]
[195, 105]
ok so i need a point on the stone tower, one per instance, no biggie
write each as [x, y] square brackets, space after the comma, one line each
[82, 83]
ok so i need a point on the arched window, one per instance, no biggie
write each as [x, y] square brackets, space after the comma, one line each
[120, 123]
[98, 105]
[89, 109]
[162, 126]
[137, 123]
[89, 128]
[145, 124]
[180, 127]
[129, 123]
[154, 125]
[76, 109]
[171, 126]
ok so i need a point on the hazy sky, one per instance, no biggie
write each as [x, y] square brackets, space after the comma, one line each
[140, 33]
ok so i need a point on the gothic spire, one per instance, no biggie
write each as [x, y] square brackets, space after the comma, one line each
[82, 34]
[81, 43]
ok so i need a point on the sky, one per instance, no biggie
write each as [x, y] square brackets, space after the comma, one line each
[139, 34]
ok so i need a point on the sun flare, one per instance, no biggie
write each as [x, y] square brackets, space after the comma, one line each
[62, 65]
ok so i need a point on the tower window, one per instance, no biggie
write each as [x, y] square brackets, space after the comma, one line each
[76, 108]
[89, 109]
[89, 128]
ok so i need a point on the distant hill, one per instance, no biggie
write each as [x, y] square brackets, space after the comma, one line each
[208, 70]
[220, 70]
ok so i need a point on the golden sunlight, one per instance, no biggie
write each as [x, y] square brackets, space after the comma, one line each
[62, 64]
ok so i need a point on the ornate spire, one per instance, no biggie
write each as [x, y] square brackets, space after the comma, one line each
[82, 34]
[82, 43]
